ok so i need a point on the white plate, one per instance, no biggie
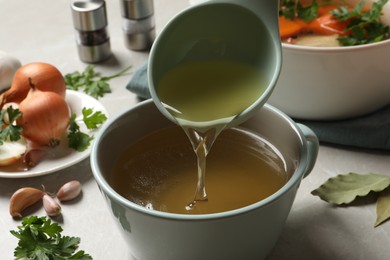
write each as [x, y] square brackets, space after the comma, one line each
[62, 156]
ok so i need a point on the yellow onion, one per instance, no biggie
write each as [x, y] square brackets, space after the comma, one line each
[43, 76]
[45, 117]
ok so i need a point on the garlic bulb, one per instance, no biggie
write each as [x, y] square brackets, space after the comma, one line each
[8, 67]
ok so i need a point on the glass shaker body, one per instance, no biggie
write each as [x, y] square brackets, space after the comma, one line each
[92, 37]
[138, 24]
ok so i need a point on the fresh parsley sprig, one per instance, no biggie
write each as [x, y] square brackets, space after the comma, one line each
[90, 81]
[79, 140]
[93, 119]
[365, 26]
[9, 131]
[40, 239]
[292, 9]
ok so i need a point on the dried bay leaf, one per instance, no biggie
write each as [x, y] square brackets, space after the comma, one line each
[344, 189]
[382, 207]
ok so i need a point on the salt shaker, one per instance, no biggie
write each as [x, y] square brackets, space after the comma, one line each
[138, 24]
[90, 22]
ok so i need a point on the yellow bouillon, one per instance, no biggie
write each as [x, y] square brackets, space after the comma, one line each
[204, 91]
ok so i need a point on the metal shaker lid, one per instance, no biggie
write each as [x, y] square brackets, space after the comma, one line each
[89, 15]
[136, 9]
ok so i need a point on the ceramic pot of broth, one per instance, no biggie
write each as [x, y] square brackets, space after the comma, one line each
[146, 171]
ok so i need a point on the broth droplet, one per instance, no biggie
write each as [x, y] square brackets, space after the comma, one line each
[191, 205]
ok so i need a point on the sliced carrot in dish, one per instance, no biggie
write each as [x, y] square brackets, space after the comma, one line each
[289, 28]
[327, 24]
[326, 9]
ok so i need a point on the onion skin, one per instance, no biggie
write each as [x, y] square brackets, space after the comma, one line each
[45, 117]
[43, 76]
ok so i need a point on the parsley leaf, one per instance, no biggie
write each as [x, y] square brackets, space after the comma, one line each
[292, 9]
[79, 140]
[288, 9]
[8, 130]
[343, 13]
[93, 120]
[90, 81]
[365, 27]
[76, 139]
[97, 89]
[40, 239]
[309, 13]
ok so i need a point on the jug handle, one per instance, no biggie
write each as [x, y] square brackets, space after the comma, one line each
[312, 147]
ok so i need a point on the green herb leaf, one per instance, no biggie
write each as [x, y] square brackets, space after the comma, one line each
[97, 89]
[365, 27]
[343, 189]
[77, 140]
[93, 120]
[40, 239]
[288, 9]
[9, 131]
[383, 207]
[90, 81]
[292, 9]
[309, 13]
[343, 13]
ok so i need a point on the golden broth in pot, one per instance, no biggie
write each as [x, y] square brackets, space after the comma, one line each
[159, 172]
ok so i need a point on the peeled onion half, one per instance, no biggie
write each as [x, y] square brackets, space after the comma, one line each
[11, 152]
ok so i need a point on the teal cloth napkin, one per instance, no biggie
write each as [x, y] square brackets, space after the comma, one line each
[371, 131]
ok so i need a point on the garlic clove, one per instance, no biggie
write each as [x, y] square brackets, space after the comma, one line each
[23, 198]
[33, 156]
[69, 191]
[51, 207]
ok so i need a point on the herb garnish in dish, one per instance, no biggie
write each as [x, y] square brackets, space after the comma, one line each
[350, 25]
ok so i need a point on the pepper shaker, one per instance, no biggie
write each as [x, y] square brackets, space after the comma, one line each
[90, 22]
[138, 24]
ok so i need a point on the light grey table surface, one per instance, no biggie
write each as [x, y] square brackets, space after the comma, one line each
[42, 30]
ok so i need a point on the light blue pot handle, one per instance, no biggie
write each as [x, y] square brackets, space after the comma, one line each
[312, 147]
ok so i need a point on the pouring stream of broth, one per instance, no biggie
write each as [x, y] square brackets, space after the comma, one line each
[204, 97]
